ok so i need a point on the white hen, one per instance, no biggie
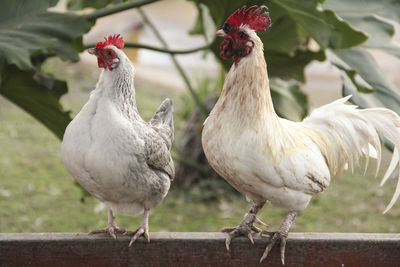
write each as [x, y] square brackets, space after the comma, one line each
[111, 151]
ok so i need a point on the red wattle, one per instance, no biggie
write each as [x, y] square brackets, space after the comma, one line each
[100, 63]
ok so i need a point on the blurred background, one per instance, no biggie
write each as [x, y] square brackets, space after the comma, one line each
[38, 195]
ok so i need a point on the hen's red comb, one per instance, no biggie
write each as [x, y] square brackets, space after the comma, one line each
[257, 20]
[115, 40]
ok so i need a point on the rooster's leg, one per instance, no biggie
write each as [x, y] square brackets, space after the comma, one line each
[282, 234]
[246, 226]
[142, 230]
[112, 228]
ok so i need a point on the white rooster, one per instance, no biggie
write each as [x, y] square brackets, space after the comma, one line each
[111, 151]
[269, 158]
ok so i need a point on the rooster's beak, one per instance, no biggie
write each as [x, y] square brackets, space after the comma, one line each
[92, 51]
[220, 33]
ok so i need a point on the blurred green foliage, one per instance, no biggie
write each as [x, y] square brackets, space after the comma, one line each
[303, 31]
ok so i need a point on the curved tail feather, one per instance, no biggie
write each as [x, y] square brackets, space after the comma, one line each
[387, 123]
[345, 133]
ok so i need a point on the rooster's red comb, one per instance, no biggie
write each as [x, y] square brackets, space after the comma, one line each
[115, 40]
[254, 17]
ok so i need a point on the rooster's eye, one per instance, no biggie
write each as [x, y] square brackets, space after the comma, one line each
[109, 53]
[242, 35]
[227, 28]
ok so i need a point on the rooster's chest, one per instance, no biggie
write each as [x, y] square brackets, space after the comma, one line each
[227, 148]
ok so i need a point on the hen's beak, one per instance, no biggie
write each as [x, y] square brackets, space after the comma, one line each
[92, 51]
[220, 33]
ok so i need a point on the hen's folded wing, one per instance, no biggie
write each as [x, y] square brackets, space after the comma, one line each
[158, 156]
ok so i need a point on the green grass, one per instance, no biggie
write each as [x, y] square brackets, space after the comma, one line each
[38, 195]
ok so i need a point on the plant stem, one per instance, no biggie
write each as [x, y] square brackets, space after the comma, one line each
[196, 98]
[162, 50]
[117, 8]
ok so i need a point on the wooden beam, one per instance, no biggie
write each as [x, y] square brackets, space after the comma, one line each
[197, 249]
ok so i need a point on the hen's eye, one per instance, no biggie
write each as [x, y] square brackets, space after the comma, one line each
[242, 35]
[109, 53]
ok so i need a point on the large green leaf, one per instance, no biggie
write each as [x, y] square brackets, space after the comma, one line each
[350, 87]
[81, 4]
[27, 28]
[370, 76]
[380, 32]
[294, 22]
[359, 69]
[322, 25]
[291, 66]
[284, 36]
[366, 18]
[289, 101]
[28, 35]
[37, 94]
[204, 23]
[389, 9]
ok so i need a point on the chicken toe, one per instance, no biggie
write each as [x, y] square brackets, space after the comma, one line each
[281, 234]
[142, 230]
[275, 237]
[111, 229]
[238, 231]
[246, 227]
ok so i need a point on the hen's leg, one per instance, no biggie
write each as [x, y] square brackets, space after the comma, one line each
[282, 234]
[112, 228]
[142, 230]
[246, 226]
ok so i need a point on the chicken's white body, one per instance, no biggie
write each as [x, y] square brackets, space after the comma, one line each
[269, 158]
[247, 146]
[110, 150]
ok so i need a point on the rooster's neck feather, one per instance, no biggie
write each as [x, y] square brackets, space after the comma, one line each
[246, 89]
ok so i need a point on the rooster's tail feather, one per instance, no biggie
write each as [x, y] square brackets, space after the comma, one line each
[387, 123]
[346, 133]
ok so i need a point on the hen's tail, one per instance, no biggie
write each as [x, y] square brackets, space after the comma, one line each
[164, 117]
[344, 133]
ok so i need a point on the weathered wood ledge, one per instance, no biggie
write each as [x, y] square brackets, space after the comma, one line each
[197, 249]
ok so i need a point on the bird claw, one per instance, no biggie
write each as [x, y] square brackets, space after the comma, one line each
[268, 233]
[112, 233]
[257, 220]
[256, 229]
[136, 234]
[274, 238]
[245, 228]
[249, 236]
[241, 230]
[111, 230]
[228, 229]
[232, 234]
[228, 242]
